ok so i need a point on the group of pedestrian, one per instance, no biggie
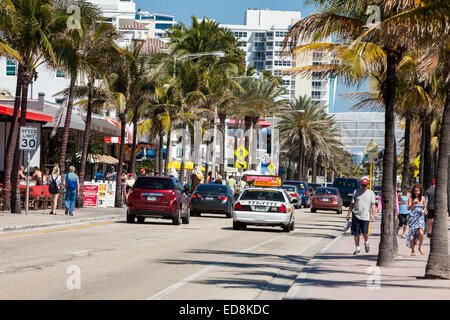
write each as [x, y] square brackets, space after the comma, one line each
[72, 189]
[413, 209]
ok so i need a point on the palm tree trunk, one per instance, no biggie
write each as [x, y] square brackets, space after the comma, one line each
[160, 154]
[87, 133]
[65, 140]
[10, 147]
[301, 155]
[222, 145]
[386, 255]
[15, 190]
[438, 265]
[134, 146]
[119, 191]
[406, 151]
[168, 151]
[422, 154]
[427, 174]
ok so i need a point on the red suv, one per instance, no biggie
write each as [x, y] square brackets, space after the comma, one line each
[158, 197]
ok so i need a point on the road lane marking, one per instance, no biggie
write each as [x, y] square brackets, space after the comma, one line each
[56, 230]
[188, 279]
[79, 253]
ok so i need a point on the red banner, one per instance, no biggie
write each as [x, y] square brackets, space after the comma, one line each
[90, 189]
[90, 200]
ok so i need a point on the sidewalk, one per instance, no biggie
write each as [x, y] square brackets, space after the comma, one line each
[336, 274]
[42, 219]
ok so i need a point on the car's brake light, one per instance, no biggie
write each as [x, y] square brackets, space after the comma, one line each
[237, 206]
[293, 194]
[196, 196]
[174, 197]
[282, 209]
[304, 193]
[223, 198]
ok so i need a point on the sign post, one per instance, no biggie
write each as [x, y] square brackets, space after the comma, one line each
[28, 142]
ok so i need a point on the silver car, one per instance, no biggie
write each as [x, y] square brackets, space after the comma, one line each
[293, 193]
[264, 207]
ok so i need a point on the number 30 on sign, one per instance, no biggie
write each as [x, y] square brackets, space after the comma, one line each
[28, 138]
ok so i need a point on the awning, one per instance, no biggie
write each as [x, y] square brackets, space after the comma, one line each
[188, 165]
[102, 159]
[31, 114]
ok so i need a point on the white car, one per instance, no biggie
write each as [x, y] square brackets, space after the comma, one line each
[264, 207]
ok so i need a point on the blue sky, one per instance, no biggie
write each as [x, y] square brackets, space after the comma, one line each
[232, 12]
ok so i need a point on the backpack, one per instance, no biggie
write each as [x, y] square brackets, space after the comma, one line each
[71, 183]
[53, 186]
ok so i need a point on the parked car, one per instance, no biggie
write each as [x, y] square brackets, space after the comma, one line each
[212, 198]
[303, 188]
[158, 197]
[346, 187]
[293, 193]
[264, 207]
[327, 199]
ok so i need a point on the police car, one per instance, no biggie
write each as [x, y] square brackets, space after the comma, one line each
[264, 207]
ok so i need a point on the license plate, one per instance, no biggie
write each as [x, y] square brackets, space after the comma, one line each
[209, 198]
[325, 199]
[151, 198]
[260, 209]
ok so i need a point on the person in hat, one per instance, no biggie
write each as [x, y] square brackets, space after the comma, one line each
[361, 207]
[429, 195]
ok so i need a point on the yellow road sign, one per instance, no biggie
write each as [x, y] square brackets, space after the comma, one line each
[271, 167]
[240, 165]
[241, 153]
[417, 161]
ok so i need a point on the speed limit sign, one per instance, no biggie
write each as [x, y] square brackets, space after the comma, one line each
[28, 138]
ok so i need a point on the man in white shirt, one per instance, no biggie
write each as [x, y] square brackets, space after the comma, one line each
[363, 202]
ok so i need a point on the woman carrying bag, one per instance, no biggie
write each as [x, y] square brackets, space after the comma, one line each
[54, 184]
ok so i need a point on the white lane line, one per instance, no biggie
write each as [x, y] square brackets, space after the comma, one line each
[188, 279]
[79, 253]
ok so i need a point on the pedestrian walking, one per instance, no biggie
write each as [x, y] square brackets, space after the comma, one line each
[429, 195]
[363, 201]
[403, 200]
[231, 182]
[416, 220]
[128, 185]
[54, 185]
[72, 183]
[123, 181]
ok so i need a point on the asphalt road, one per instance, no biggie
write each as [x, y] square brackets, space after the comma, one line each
[204, 260]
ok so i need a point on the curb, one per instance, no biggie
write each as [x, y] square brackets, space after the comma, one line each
[62, 223]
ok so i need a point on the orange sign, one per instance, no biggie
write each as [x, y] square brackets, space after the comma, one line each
[265, 181]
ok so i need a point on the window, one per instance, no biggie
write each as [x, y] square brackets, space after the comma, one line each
[262, 195]
[279, 43]
[10, 68]
[259, 35]
[283, 63]
[161, 18]
[259, 45]
[280, 34]
[60, 73]
[240, 34]
[154, 184]
[316, 95]
[286, 82]
[242, 44]
[162, 26]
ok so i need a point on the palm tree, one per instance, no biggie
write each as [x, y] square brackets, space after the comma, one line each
[308, 126]
[258, 99]
[74, 56]
[348, 20]
[28, 27]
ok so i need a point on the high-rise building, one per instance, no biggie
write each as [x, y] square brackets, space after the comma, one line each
[261, 38]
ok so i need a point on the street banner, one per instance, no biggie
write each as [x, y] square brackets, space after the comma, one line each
[99, 194]
[102, 195]
[265, 181]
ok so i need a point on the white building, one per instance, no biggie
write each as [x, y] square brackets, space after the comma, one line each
[261, 38]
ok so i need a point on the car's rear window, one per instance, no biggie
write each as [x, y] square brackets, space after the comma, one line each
[326, 191]
[289, 188]
[262, 195]
[346, 184]
[212, 188]
[154, 184]
[300, 186]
